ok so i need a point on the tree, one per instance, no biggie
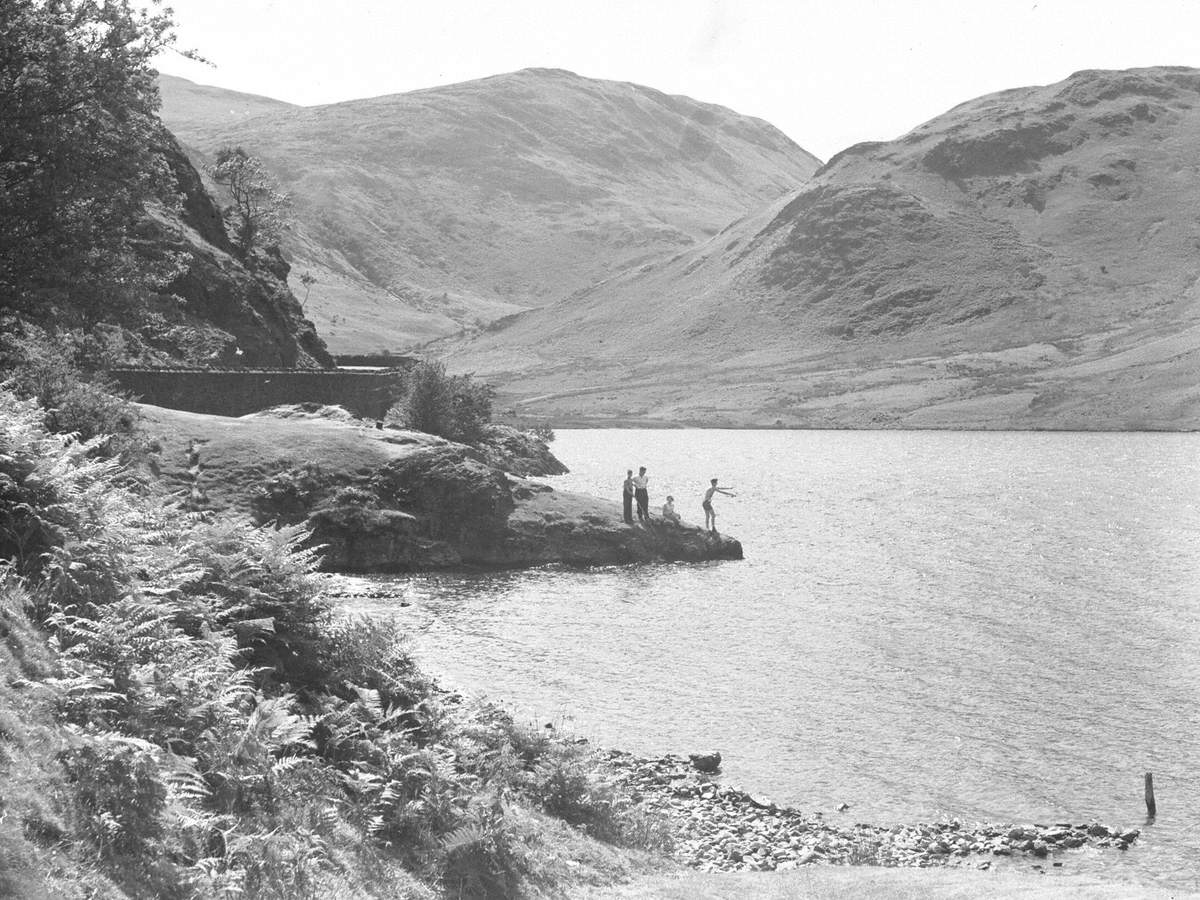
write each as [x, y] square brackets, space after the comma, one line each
[257, 216]
[78, 128]
[308, 280]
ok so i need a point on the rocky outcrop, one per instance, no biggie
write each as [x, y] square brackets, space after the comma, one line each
[551, 526]
[519, 452]
[385, 500]
[216, 308]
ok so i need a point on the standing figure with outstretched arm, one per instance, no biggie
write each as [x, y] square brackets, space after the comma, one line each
[627, 496]
[710, 514]
[641, 493]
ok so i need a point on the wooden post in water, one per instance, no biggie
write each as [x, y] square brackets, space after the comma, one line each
[1151, 808]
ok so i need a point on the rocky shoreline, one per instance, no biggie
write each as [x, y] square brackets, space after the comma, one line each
[721, 829]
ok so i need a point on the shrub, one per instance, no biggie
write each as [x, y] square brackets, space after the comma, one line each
[257, 582]
[484, 858]
[64, 372]
[543, 432]
[456, 407]
[120, 796]
[567, 785]
[50, 492]
[375, 655]
[289, 496]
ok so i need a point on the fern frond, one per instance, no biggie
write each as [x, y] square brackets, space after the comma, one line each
[471, 834]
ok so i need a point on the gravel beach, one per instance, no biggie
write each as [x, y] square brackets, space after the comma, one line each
[721, 829]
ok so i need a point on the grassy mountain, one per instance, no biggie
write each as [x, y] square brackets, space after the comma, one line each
[421, 212]
[1028, 259]
[213, 105]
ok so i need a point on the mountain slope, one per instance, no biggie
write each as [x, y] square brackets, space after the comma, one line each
[456, 205]
[213, 106]
[1028, 259]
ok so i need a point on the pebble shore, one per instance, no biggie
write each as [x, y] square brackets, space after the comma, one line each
[721, 829]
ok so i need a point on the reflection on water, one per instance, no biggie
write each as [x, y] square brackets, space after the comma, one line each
[990, 626]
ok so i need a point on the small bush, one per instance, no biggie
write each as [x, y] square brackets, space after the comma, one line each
[485, 857]
[257, 583]
[375, 655]
[567, 786]
[64, 372]
[50, 491]
[543, 432]
[120, 797]
[456, 407]
[288, 496]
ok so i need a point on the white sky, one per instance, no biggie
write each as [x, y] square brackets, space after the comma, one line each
[829, 73]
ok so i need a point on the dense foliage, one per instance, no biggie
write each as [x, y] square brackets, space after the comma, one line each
[456, 407]
[66, 374]
[78, 132]
[182, 715]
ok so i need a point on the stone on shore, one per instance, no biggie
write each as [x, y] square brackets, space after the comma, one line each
[706, 762]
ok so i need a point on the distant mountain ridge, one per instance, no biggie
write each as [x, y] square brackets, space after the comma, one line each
[419, 213]
[1029, 259]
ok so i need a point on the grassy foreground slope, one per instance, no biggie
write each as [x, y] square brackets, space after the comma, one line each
[425, 211]
[1026, 260]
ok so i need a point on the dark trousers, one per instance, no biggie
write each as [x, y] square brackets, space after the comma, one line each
[643, 501]
[628, 507]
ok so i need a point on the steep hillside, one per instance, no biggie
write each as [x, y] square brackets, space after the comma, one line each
[422, 212]
[1028, 259]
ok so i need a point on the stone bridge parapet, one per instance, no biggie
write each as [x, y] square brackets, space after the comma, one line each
[238, 391]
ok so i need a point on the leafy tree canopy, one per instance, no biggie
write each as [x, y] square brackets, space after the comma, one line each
[78, 128]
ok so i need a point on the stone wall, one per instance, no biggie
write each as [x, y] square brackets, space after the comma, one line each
[384, 360]
[236, 392]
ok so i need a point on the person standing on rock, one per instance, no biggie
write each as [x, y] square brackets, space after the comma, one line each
[627, 496]
[710, 514]
[641, 493]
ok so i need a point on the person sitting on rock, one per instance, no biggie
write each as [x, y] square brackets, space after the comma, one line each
[710, 514]
[668, 511]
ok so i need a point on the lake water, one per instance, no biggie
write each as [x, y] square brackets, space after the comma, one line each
[993, 626]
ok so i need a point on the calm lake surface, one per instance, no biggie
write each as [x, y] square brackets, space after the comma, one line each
[993, 626]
